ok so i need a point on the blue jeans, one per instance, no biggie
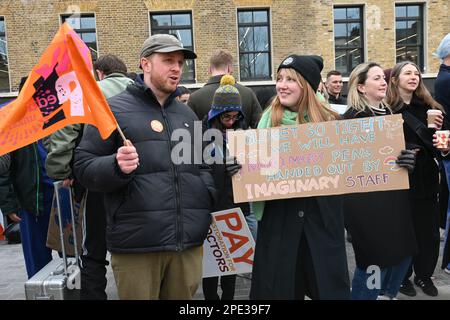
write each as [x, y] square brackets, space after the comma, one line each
[33, 231]
[394, 278]
[390, 281]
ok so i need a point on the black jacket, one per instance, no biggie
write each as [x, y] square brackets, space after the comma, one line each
[200, 101]
[442, 87]
[223, 181]
[22, 187]
[340, 100]
[284, 223]
[424, 181]
[380, 223]
[5, 162]
[161, 206]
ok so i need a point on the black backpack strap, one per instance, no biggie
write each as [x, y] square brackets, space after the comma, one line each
[420, 129]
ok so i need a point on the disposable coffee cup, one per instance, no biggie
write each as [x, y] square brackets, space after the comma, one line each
[442, 137]
[432, 114]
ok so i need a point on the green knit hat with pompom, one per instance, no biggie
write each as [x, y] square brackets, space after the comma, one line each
[226, 98]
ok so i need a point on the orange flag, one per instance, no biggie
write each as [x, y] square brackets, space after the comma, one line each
[60, 90]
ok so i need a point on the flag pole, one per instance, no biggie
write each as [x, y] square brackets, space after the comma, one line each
[126, 142]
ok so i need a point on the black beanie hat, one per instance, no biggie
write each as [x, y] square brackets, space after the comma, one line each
[308, 66]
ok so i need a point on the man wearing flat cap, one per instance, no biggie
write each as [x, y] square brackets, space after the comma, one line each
[158, 208]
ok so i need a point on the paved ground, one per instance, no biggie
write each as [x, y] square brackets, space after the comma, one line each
[13, 277]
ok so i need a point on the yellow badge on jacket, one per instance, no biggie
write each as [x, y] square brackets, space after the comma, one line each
[157, 126]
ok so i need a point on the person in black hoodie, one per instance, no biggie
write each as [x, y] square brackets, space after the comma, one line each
[225, 114]
[380, 222]
[408, 95]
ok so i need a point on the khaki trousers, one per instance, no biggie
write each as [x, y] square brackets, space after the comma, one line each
[158, 275]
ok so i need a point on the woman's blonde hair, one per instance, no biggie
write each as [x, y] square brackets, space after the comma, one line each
[393, 94]
[355, 98]
[308, 104]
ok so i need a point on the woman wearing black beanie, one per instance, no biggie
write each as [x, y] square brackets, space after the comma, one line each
[300, 247]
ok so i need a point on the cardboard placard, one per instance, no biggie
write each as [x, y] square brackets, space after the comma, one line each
[229, 246]
[313, 159]
[53, 235]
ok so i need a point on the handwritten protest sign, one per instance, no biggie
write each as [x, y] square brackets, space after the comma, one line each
[327, 158]
[229, 246]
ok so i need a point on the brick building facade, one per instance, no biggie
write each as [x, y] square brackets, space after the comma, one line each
[278, 28]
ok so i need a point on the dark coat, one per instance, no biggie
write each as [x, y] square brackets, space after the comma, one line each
[161, 206]
[379, 222]
[5, 162]
[284, 223]
[340, 100]
[442, 87]
[200, 101]
[22, 187]
[222, 180]
[442, 92]
[424, 181]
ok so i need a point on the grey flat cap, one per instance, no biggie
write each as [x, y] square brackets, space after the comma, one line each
[164, 43]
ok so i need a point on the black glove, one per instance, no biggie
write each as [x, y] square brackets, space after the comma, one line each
[232, 166]
[407, 159]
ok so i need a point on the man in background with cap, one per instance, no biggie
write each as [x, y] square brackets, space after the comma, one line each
[158, 208]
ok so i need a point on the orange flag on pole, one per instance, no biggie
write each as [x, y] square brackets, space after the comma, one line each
[60, 90]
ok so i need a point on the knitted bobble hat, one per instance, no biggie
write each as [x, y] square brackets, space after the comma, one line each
[226, 98]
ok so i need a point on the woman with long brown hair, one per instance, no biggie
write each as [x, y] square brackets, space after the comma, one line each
[300, 248]
[408, 95]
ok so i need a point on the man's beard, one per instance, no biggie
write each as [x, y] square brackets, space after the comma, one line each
[162, 86]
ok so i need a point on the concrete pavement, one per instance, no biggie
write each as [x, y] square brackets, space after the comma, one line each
[13, 277]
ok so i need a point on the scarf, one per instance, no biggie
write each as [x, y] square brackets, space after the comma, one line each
[289, 118]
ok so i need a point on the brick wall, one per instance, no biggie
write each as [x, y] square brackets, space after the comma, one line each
[297, 26]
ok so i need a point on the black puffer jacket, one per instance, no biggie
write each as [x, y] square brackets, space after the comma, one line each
[160, 206]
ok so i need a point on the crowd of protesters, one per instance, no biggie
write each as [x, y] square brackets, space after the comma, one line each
[153, 213]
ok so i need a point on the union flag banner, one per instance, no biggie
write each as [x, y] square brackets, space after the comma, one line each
[60, 90]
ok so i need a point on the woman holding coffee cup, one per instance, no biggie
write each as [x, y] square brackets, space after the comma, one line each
[408, 95]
